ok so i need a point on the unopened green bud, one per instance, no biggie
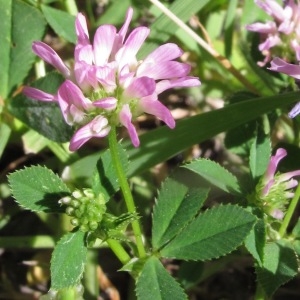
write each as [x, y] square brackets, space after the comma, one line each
[89, 193]
[69, 210]
[75, 203]
[84, 220]
[77, 194]
[84, 228]
[93, 225]
[77, 213]
[75, 222]
[65, 200]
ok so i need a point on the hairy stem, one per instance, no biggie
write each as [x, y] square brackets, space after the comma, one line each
[113, 144]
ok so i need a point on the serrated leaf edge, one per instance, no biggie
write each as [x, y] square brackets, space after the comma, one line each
[216, 257]
[26, 168]
[215, 163]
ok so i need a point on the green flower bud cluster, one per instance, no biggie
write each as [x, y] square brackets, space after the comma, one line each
[85, 208]
[274, 203]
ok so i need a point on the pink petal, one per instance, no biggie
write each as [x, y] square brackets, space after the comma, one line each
[271, 41]
[272, 166]
[109, 103]
[164, 70]
[272, 8]
[286, 27]
[125, 117]
[267, 187]
[295, 45]
[84, 53]
[126, 55]
[123, 31]
[81, 30]
[106, 75]
[287, 176]
[37, 94]
[269, 27]
[98, 127]
[156, 108]
[46, 53]
[295, 111]
[72, 102]
[85, 75]
[140, 87]
[180, 82]
[165, 52]
[281, 66]
[277, 214]
[103, 43]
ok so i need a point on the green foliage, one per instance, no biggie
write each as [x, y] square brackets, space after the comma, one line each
[256, 240]
[68, 259]
[212, 234]
[105, 179]
[38, 189]
[175, 207]
[21, 24]
[156, 283]
[162, 143]
[216, 175]
[259, 156]
[61, 22]
[280, 265]
[46, 118]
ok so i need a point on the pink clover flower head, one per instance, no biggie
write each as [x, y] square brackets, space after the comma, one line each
[281, 36]
[274, 189]
[108, 86]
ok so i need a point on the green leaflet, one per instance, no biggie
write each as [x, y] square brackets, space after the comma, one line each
[61, 22]
[21, 24]
[68, 260]
[156, 283]
[215, 174]
[214, 233]
[38, 189]
[260, 153]
[175, 207]
[280, 265]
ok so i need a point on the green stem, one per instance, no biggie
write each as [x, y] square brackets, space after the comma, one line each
[289, 212]
[113, 144]
[119, 251]
[259, 294]
[71, 7]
